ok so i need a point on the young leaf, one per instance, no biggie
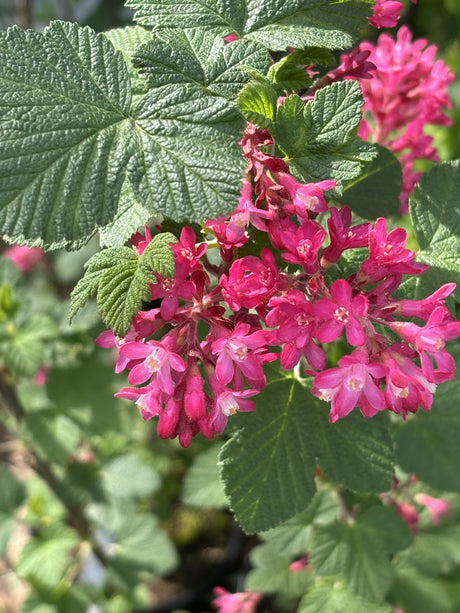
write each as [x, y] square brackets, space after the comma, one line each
[319, 138]
[289, 75]
[297, 23]
[257, 102]
[121, 279]
[65, 99]
[436, 219]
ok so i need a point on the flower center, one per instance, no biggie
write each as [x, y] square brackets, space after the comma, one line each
[153, 363]
[342, 314]
[186, 253]
[355, 384]
[167, 284]
[304, 247]
[228, 405]
[302, 319]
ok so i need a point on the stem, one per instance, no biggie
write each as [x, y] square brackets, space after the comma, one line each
[24, 13]
[77, 519]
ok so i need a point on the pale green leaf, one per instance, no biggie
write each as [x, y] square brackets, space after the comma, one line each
[128, 477]
[53, 436]
[142, 550]
[354, 552]
[65, 98]
[319, 138]
[46, 559]
[275, 24]
[435, 216]
[257, 102]
[334, 597]
[375, 193]
[202, 486]
[12, 497]
[121, 279]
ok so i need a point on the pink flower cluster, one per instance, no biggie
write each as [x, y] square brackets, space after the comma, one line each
[199, 357]
[386, 13]
[407, 92]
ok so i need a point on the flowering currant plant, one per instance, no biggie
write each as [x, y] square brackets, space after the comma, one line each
[276, 241]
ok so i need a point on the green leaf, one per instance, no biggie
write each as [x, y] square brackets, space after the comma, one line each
[128, 40]
[257, 102]
[328, 597]
[353, 551]
[128, 477]
[22, 348]
[12, 497]
[130, 215]
[202, 486]
[121, 279]
[298, 23]
[427, 444]
[54, 436]
[44, 560]
[375, 193]
[271, 574]
[198, 57]
[65, 99]
[319, 138]
[289, 75]
[356, 452]
[268, 467]
[269, 464]
[142, 550]
[436, 219]
[417, 592]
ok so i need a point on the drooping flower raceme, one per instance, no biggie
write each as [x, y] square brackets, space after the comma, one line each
[198, 357]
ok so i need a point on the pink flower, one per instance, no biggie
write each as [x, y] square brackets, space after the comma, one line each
[342, 235]
[302, 564]
[240, 602]
[352, 384]
[24, 257]
[185, 251]
[386, 14]
[341, 311]
[251, 281]
[302, 244]
[408, 513]
[227, 403]
[436, 506]
[233, 351]
[170, 290]
[41, 376]
[305, 197]
[154, 361]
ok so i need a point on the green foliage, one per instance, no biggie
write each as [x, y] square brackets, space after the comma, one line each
[375, 193]
[121, 280]
[257, 101]
[299, 23]
[289, 75]
[319, 139]
[269, 464]
[436, 219]
[202, 485]
[334, 597]
[13, 494]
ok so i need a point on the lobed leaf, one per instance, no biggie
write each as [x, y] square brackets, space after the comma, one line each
[275, 24]
[435, 217]
[319, 139]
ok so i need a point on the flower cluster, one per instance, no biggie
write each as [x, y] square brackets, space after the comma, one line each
[407, 92]
[199, 356]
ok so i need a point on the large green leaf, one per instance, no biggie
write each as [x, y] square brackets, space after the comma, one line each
[202, 486]
[62, 168]
[275, 24]
[128, 477]
[269, 464]
[436, 219]
[427, 444]
[319, 139]
[63, 108]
